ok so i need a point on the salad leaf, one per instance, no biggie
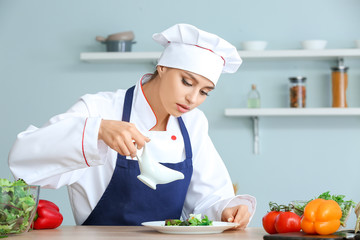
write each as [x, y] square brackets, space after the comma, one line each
[17, 205]
[194, 220]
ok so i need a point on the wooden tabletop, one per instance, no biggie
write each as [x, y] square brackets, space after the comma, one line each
[130, 232]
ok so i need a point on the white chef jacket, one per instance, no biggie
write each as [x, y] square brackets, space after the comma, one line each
[66, 152]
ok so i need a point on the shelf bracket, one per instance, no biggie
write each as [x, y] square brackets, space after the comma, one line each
[256, 134]
[340, 61]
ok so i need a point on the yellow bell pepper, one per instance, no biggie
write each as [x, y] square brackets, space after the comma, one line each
[321, 217]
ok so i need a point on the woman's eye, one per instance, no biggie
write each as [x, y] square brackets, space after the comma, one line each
[186, 83]
[202, 92]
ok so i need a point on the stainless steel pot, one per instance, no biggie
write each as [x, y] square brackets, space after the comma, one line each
[118, 42]
[118, 46]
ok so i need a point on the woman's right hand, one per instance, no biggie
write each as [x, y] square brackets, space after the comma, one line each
[122, 136]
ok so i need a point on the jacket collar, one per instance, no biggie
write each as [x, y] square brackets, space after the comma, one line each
[142, 114]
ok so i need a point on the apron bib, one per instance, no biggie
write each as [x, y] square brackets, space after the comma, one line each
[127, 201]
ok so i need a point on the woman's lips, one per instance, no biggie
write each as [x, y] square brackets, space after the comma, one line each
[182, 108]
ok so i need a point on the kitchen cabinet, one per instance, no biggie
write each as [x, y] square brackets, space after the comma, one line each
[325, 54]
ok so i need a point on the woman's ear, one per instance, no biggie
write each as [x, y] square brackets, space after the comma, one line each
[160, 69]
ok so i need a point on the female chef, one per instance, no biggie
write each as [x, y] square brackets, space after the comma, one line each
[90, 148]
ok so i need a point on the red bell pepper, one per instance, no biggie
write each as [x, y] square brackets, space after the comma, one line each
[47, 216]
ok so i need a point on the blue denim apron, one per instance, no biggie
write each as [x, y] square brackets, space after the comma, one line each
[127, 201]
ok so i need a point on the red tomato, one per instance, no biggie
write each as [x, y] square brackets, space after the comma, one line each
[287, 222]
[268, 221]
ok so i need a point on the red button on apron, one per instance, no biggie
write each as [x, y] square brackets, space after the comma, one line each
[173, 137]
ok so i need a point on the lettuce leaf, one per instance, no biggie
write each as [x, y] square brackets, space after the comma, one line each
[16, 206]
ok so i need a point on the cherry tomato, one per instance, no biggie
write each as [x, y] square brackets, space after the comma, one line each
[268, 221]
[287, 222]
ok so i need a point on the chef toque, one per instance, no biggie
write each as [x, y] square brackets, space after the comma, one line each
[197, 51]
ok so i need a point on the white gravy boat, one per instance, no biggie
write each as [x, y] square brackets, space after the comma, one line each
[153, 173]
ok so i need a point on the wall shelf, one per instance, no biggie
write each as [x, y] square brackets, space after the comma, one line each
[296, 54]
[151, 57]
[255, 113]
[120, 57]
[288, 112]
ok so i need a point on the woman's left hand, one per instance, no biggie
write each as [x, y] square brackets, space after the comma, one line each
[238, 214]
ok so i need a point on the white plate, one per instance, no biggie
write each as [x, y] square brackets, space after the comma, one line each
[217, 227]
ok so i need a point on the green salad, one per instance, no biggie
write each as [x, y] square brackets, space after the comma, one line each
[344, 205]
[194, 220]
[17, 204]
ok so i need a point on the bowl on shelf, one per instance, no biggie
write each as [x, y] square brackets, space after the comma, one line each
[254, 45]
[18, 206]
[314, 44]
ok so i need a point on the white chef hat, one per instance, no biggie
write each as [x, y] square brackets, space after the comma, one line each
[197, 51]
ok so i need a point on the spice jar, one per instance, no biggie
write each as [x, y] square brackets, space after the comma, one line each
[297, 92]
[339, 85]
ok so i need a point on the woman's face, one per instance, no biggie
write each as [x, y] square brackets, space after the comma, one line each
[181, 91]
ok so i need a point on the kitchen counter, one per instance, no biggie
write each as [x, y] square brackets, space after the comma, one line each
[130, 232]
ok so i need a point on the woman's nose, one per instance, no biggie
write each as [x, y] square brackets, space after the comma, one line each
[191, 97]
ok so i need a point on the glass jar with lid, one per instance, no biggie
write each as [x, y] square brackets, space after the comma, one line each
[297, 92]
[339, 84]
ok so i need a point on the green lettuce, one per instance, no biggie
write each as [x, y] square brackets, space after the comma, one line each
[194, 220]
[17, 205]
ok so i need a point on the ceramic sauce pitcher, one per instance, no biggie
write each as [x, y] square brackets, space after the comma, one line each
[153, 173]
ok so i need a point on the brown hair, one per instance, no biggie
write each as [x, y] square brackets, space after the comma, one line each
[154, 75]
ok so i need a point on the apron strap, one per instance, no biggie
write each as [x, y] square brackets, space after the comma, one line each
[127, 104]
[188, 150]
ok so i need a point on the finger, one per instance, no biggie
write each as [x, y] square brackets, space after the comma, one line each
[241, 211]
[234, 214]
[123, 150]
[131, 148]
[117, 149]
[242, 219]
[140, 140]
[227, 215]
[139, 143]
